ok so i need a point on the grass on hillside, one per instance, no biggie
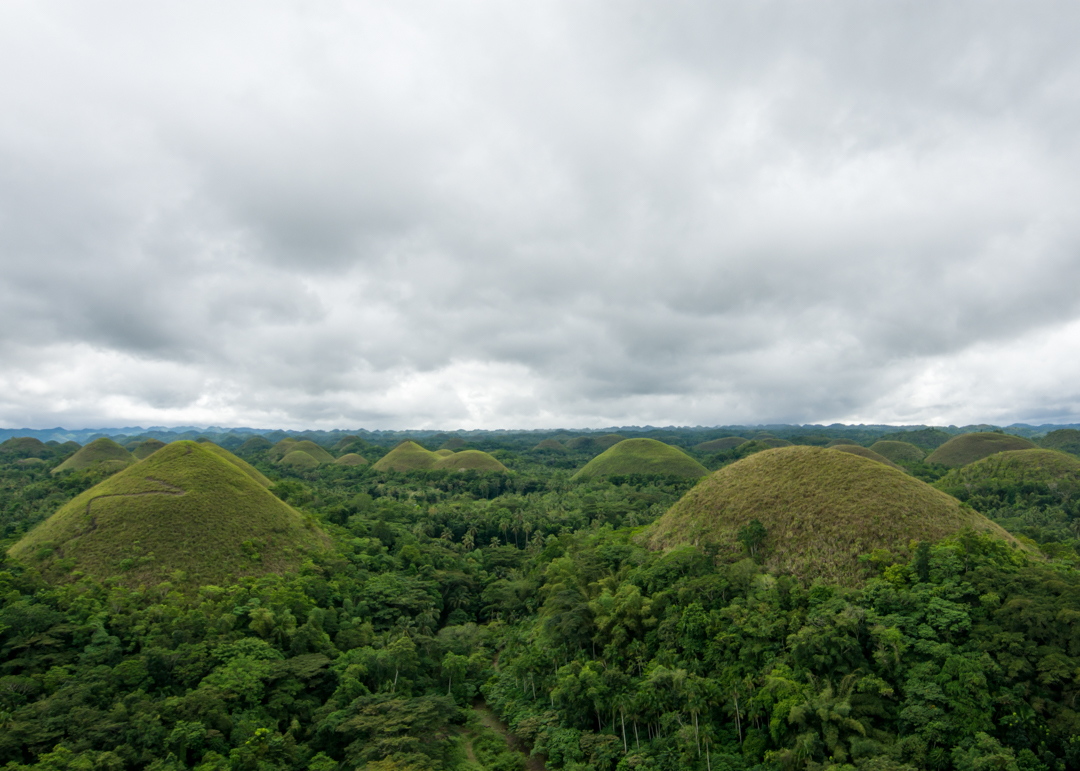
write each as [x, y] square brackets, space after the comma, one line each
[720, 445]
[315, 451]
[469, 460]
[1062, 440]
[281, 449]
[898, 452]
[254, 444]
[351, 459]
[444, 453]
[243, 465]
[551, 445]
[1017, 469]
[642, 456]
[184, 508]
[103, 454]
[928, 439]
[821, 509]
[347, 441]
[298, 459]
[407, 456]
[147, 448]
[968, 448]
[24, 447]
[838, 442]
[864, 452]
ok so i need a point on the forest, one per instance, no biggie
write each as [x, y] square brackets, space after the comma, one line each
[510, 611]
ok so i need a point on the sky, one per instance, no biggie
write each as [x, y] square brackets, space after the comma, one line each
[524, 215]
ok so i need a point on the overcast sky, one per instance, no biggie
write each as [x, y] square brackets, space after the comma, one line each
[524, 215]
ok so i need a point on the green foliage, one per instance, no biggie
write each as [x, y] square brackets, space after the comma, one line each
[642, 456]
[147, 448]
[1062, 440]
[968, 448]
[928, 439]
[351, 459]
[475, 460]
[898, 452]
[864, 452]
[104, 454]
[721, 444]
[407, 456]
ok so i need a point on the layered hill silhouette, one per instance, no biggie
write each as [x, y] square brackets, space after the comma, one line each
[594, 443]
[820, 508]
[1062, 440]
[642, 456]
[721, 444]
[864, 452]
[444, 453]
[185, 508]
[898, 452]
[839, 442]
[298, 459]
[100, 455]
[968, 448]
[291, 452]
[467, 460]
[348, 441]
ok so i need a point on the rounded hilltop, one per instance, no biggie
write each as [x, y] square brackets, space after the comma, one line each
[642, 456]
[720, 445]
[290, 447]
[100, 455]
[820, 510]
[188, 508]
[350, 460]
[1046, 474]
[968, 448]
[864, 452]
[898, 452]
[1062, 440]
[407, 456]
[469, 460]
[146, 449]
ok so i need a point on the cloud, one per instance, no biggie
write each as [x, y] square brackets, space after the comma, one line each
[481, 215]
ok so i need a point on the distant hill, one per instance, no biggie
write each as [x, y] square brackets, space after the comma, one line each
[720, 445]
[469, 459]
[444, 453]
[315, 451]
[820, 508]
[928, 439]
[968, 448]
[898, 452]
[838, 442]
[774, 442]
[1062, 440]
[593, 443]
[281, 449]
[254, 444]
[453, 443]
[551, 445]
[24, 447]
[407, 456]
[101, 454]
[147, 448]
[865, 452]
[351, 459]
[348, 441]
[186, 508]
[298, 459]
[1005, 475]
[642, 456]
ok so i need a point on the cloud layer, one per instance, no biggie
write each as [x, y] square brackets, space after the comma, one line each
[423, 214]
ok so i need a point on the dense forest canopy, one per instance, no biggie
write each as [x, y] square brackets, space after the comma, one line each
[519, 617]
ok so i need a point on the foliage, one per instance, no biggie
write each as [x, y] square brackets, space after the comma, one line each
[968, 448]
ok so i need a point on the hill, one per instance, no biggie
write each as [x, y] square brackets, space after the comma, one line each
[24, 447]
[469, 459]
[444, 453]
[642, 456]
[839, 442]
[243, 465]
[820, 508]
[254, 444]
[721, 444]
[407, 456]
[551, 445]
[298, 459]
[1005, 476]
[928, 439]
[1062, 440]
[773, 442]
[347, 441]
[351, 459]
[101, 454]
[864, 452]
[184, 508]
[147, 448]
[589, 442]
[453, 443]
[315, 451]
[968, 448]
[898, 452]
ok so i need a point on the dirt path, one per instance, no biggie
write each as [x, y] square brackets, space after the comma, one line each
[491, 720]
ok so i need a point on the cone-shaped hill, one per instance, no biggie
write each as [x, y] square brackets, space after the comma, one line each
[821, 509]
[898, 452]
[254, 444]
[469, 460]
[281, 449]
[444, 453]
[243, 465]
[24, 447]
[407, 456]
[839, 442]
[720, 445]
[184, 508]
[594, 443]
[307, 447]
[1062, 440]
[147, 448]
[347, 441]
[864, 452]
[551, 445]
[298, 459]
[351, 459]
[1043, 473]
[968, 448]
[642, 456]
[101, 454]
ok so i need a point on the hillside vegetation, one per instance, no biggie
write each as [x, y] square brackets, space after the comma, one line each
[315, 451]
[351, 459]
[928, 439]
[243, 465]
[24, 447]
[147, 448]
[839, 442]
[721, 444]
[642, 456]
[101, 454]
[469, 459]
[1062, 440]
[551, 445]
[1035, 476]
[820, 509]
[898, 452]
[968, 448]
[184, 508]
[864, 452]
[407, 456]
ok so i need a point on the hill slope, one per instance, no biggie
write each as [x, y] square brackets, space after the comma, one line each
[24, 447]
[101, 453]
[1062, 440]
[1004, 476]
[351, 459]
[968, 448]
[469, 459]
[821, 509]
[243, 465]
[407, 456]
[642, 456]
[928, 439]
[307, 446]
[551, 445]
[898, 452]
[147, 448]
[864, 452]
[183, 508]
[719, 445]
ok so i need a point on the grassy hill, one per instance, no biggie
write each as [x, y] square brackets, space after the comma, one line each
[839, 442]
[281, 449]
[298, 459]
[243, 465]
[254, 444]
[720, 445]
[24, 447]
[551, 445]
[865, 452]
[968, 448]
[453, 443]
[407, 456]
[312, 449]
[821, 509]
[1006, 475]
[351, 459]
[593, 443]
[184, 508]
[147, 448]
[773, 442]
[898, 452]
[347, 441]
[928, 439]
[444, 453]
[469, 459]
[1062, 440]
[103, 454]
[642, 456]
